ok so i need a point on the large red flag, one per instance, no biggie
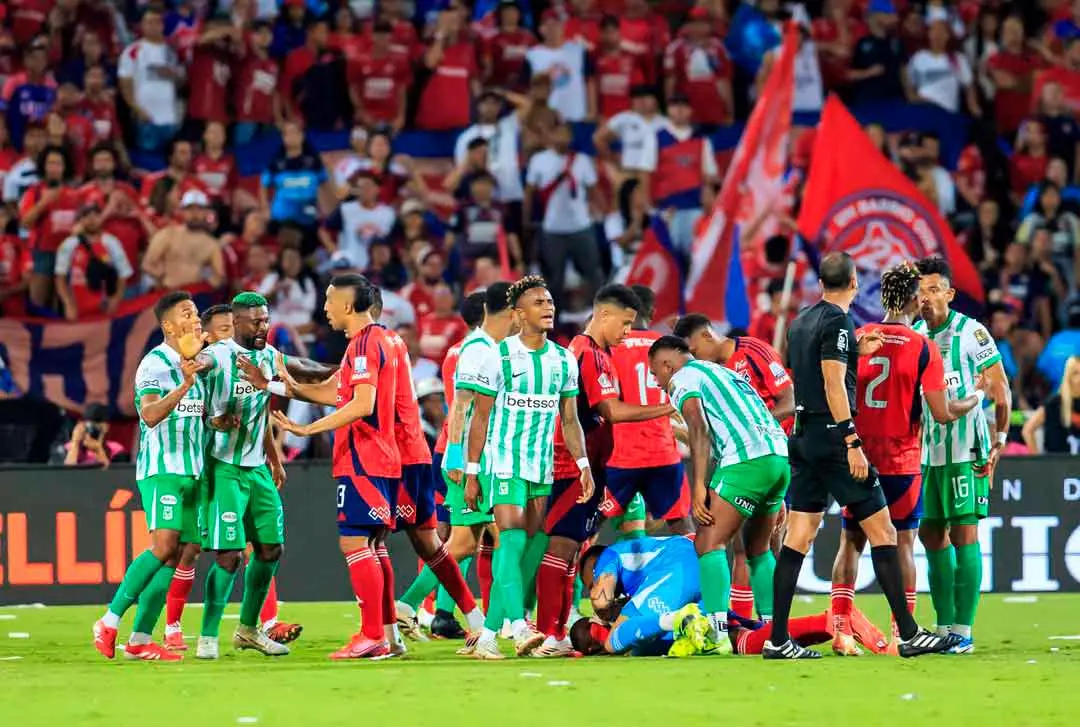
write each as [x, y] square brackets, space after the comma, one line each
[754, 181]
[655, 266]
[857, 201]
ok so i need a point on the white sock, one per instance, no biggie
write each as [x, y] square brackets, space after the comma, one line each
[667, 621]
[941, 631]
[269, 624]
[424, 618]
[519, 627]
[171, 629]
[488, 636]
[111, 620]
[405, 609]
[475, 620]
[138, 639]
[959, 630]
[719, 622]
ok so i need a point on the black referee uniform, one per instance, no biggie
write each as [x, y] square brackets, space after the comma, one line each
[817, 451]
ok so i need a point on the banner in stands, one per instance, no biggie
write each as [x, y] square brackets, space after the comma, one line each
[66, 536]
[71, 364]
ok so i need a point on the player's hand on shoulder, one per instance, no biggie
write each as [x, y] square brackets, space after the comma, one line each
[870, 343]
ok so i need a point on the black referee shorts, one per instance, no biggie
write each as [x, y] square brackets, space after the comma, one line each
[819, 468]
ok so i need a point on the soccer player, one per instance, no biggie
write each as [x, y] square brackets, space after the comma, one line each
[732, 433]
[827, 459]
[169, 397]
[570, 522]
[887, 391]
[366, 464]
[244, 474]
[523, 387]
[217, 325]
[645, 461]
[415, 507]
[958, 458]
[760, 364]
[443, 625]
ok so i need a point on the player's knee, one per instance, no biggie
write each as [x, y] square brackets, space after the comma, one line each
[269, 552]
[230, 560]
[166, 547]
[964, 532]
[879, 529]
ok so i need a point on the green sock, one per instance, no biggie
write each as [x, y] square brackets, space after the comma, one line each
[968, 583]
[216, 592]
[136, 579]
[506, 569]
[257, 579]
[761, 582]
[493, 619]
[443, 600]
[941, 568]
[579, 591]
[715, 581]
[535, 547]
[152, 601]
[424, 583]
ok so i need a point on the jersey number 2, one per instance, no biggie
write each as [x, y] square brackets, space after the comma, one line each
[646, 380]
[868, 398]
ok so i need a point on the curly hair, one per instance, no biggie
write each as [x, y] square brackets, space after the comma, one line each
[526, 283]
[899, 286]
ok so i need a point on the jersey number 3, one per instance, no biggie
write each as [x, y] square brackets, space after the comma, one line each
[868, 397]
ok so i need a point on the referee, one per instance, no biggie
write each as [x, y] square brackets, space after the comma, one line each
[827, 459]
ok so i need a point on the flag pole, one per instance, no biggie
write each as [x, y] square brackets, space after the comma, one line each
[785, 302]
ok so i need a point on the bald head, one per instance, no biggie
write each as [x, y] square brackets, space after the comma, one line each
[837, 271]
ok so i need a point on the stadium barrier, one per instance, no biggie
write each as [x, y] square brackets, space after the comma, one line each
[66, 536]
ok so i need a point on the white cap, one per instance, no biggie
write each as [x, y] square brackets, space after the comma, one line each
[194, 198]
[427, 387]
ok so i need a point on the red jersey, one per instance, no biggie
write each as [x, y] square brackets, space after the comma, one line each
[1070, 85]
[438, 334]
[446, 101]
[219, 176]
[584, 29]
[253, 94]
[449, 367]
[380, 83]
[102, 115]
[1010, 105]
[419, 297]
[505, 52]
[616, 74]
[834, 67]
[697, 70]
[122, 223]
[211, 69]
[403, 38]
[759, 364]
[971, 169]
[1026, 170]
[597, 382]
[13, 260]
[641, 444]
[645, 38]
[408, 431]
[887, 397]
[368, 446]
[27, 18]
[350, 45]
[55, 222]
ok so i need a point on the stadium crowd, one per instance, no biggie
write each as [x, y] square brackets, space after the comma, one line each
[257, 145]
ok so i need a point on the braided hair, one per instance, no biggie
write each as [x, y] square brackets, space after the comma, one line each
[518, 288]
[899, 286]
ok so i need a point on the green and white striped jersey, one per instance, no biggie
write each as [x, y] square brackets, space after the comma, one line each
[967, 349]
[742, 427]
[175, 446]
[528, 386]
[471, 356]
[229, 393]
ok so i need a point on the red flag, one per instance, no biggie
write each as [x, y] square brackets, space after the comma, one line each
[753, 183]
[857, 201]
[656, 267]
[504, 254]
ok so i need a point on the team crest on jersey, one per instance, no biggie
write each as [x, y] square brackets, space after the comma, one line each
[879, 229]
[982, 337]
[360, 365]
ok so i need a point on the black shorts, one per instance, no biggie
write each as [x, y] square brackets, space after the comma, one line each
[819, 468]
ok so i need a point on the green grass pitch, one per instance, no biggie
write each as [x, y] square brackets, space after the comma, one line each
[1019, 676]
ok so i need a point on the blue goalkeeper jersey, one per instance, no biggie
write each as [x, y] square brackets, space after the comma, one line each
[644, 562]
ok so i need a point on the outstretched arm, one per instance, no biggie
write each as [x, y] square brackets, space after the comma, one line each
[617, 411]
[574, 437]
[304, 370]
[361, 405]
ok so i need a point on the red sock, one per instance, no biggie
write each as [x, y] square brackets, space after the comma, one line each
[807, 630]
[269, 609]
[449, 574]
[842, 598]
[483, 573]
[389, 604]
[567, 601]
[179, 590]
[550, 593]
[366, 576]
[742, 601]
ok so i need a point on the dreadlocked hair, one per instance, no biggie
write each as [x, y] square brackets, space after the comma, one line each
[518, 288]
[899, 285]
